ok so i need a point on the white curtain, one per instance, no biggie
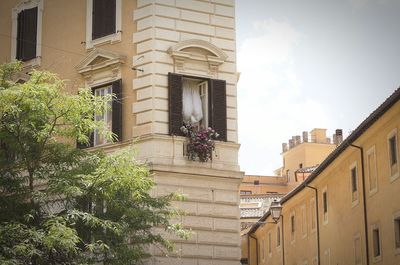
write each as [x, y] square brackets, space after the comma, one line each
[192, 108]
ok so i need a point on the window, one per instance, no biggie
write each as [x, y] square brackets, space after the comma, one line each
[327, 257]
[325, 205]
[303, 221]
[292, 226]
[396, 222]
[269, 244]
[210, 98]
[278, 236]
[313, 215]
[393, 155]
[354, 183]
[112, 115]
[245, 192]
[376, 243]
[26, 32]
[256, 182]
[357, 250]
[372, 171]
[103, 22]
[262, 251]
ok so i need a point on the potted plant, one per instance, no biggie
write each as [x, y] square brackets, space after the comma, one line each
[200, 142]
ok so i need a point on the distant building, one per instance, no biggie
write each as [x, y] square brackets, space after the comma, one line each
[300, 158]
[347, 211]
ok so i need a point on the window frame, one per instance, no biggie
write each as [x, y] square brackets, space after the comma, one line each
[396, 218]
[292, 227]
[313, 215]
[393, 176]
[325, 214]
[378, 258]
[112, 38]
[14, 30]
[356, 237]
[372, 151]
[304, 227]
[106, 113]
[354, 190]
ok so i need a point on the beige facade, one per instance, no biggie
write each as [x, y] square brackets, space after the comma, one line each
[152, 39]
[345, 231]
[307, 153]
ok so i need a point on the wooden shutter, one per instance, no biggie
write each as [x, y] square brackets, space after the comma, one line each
[117, 109]
[217, 107]
[26, 34]
[103, 18]
[175, 103]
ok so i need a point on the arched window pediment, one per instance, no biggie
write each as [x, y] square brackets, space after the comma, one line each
[197, 50]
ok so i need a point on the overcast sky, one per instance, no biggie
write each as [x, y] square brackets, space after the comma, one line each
[310, 64]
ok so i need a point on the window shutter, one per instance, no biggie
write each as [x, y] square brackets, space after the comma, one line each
[175, 103]
[217, 107]
[117, 109]
[29, 34]
[20, 35]
[26, 34]
[103, 18]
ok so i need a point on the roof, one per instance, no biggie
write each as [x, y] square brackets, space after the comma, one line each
[368, 122]
[306, 169]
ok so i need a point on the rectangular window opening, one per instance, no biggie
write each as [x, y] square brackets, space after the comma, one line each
[376, 242]
[371, 168]
[397, 232]
[105, 117]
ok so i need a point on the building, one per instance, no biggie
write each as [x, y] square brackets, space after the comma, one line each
[299, 161]
[148, 53]
[348, 210]
[308, 151]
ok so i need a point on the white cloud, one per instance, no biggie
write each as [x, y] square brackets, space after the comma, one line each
[271, 104]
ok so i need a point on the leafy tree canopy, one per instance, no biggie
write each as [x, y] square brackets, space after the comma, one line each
[62, 205]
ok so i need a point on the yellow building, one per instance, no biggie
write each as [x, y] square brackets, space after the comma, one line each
[307, 152]
[148, 53]
[348, 210]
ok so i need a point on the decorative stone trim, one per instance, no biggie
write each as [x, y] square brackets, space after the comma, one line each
[185, 51]
[27, 4]
[101, 66]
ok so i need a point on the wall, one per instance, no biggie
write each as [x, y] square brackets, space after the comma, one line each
[344, 223]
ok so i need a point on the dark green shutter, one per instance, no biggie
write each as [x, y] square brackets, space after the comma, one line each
[175, 103]
[217, 107]
[117, 109]
[26, 34]
[103, 18]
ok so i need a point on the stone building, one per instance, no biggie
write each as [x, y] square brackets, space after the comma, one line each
[348, 210]
[148, 53]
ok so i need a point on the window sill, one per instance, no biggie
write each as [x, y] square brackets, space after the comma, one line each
[373, 192]
[111, 39]
[394, 177]
[354, 203]
[376, 259]
[32, 62]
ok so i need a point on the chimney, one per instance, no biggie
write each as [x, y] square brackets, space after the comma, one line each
[334, 138]
[339, 136]
[291, 143]
[297, 140]
[305, 137]
[284, 147]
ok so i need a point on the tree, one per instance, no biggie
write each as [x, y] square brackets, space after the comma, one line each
[62, 205]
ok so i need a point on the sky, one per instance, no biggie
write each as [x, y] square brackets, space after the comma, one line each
[308, 64]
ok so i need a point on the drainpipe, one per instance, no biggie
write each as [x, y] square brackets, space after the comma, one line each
[249, 254]
[364, 200]
[317, 212]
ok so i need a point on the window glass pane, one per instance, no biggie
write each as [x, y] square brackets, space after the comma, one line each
[372, 171]
[106, 116]
[393, 151]
[376, 242]
[397, 232]
[325, 201]
[354, 179]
